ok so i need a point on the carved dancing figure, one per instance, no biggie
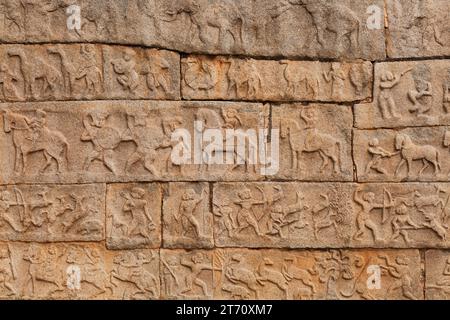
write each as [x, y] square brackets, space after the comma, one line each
[125, 67]
[186, 212]
[141, 220]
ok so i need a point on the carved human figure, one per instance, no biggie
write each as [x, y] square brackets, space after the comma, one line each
[400, 271]
[401, 223]
[7, 271]
[187, 212]
[141, 220]
[363, 221]
[13, 15]
[104, 138]
[146, 144]
[8, 90]
[231, 118]
[157, 75]
[337, 78]
[378, 153]
[196, 263]
[33, 135]
[169, 275]
[446, 85]
[125, 68]
[386, 102]
[360, 77]
[321, 220]
[246, 217]
[88, 70]
[421, 95]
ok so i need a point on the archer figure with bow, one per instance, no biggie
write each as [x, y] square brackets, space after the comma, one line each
[368, 204]
[6, 203]
[246, 216]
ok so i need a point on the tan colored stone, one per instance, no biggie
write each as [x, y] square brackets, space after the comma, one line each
[115, 141]
[285, 215]
[334, 274]
[411, 154]
[133, 215]
[48, 213]
[418, 28]
[262, 28]
[186, 274]
[187, 218]
[78, 271]
[87, 71]
[401, 215]
[315, 142]
[408, 93]
[205, 77]
[437, 275]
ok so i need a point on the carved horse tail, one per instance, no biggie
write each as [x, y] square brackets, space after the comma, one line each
[339, 154]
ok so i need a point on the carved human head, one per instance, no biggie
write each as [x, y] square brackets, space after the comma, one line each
[374, 142]
[387, 76]
[4, 195]
[335, 66]
[128, 54]
[198, 257]
[189, 194]
[41, 114]
[401, 209]
[99, 118]
[369, 196]
[137, 192]
[245, 193]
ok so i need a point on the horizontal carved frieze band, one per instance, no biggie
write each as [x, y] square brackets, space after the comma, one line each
[82, 271]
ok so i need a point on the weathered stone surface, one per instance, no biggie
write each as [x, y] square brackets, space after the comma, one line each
[46, 213]
[187, 218]
[437, 275]
[418, 28]
[315, 142]
[133, 216]
[403, 215]
[108, 141]
[186, 274]
[263, 28]
[78, 271]
[335, 274]
[295, 215]
[87, 71]
[408, 93]
[414, 154]
[205, 77]
[331, 215]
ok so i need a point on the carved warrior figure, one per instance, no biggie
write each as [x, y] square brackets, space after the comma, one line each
[400, 271]
[337, 78]
[88, 70]
[310, 140]
[246, 217]
[157, 75]
[187, 213]
[422, 95]
[125, 67]
[196, 264]
[141, 220]
[129, 267]
[7, 271]
[33, 135]
[103, 137]
[386, 100]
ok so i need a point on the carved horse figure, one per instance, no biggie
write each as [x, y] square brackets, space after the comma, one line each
[410, 152]
[52, 143]
[311, 140]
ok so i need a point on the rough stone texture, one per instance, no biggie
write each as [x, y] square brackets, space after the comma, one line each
[437, 268]
[87, 72]
[187, 219]
[418, 28]
[263, 28]
[46, 213]
[335, 274]
[133, 216]
[106, 141]
[315, 142]
[95, 205]
[225, 78]
[411, 154]
[37, 271]
[409, 93]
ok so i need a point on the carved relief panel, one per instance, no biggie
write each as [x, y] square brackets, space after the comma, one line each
[133, 216]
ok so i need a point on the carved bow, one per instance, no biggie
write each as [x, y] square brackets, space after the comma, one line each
[386, 205]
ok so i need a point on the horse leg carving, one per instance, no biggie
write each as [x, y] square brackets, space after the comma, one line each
[426, 164]
[400, 164]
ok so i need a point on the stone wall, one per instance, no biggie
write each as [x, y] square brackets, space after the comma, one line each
[93, 205]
